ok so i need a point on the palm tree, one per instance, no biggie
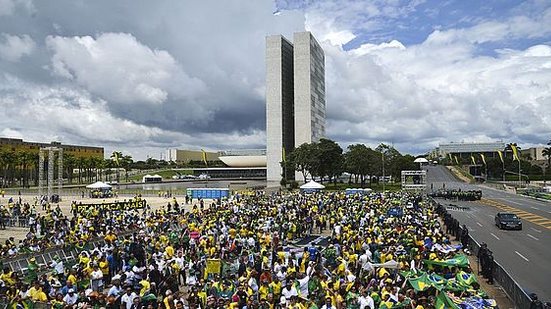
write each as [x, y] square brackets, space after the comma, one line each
[81, 162]
[69, 162]
[117, 157]
[108, 165]
[25, 159]
[9, 161]
[126, 163]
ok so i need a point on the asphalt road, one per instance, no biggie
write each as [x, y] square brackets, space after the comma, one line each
[525, 254]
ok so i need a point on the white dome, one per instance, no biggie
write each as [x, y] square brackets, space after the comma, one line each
[244, 161]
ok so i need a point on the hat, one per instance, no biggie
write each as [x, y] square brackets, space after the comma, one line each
[71, 290]
[282, 300]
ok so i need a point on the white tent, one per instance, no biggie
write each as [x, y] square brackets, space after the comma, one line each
[421, 160]
[312, 185]
[154, 178]
[99, 185]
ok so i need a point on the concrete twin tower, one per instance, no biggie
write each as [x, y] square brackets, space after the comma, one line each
[295, 97]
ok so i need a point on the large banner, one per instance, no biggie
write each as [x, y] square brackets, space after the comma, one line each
[83, 208]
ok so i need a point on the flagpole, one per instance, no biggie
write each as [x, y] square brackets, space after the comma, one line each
[503, 170]
[519, 180]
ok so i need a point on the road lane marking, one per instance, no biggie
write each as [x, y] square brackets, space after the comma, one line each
[522, 256]
[528, 216]
[535, 208]
[494, 236]
[479, 224]
[537, 231]
[534, 238]
[513, 202]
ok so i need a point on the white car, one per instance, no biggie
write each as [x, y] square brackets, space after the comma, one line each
[204, 177]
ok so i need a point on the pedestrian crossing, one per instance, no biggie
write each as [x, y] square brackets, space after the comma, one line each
[528, 216]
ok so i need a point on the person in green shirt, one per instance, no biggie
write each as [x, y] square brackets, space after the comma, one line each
[32, 271]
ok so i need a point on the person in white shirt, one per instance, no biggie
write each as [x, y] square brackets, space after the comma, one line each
[304, 279]
[328, 304]
[289, 291]
[128, 298]
[71, 297]
[366, 301]
[96, 277]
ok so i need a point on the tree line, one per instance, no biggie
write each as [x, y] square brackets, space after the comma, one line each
[326, 161]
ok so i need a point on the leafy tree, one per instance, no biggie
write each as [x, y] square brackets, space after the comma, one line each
[330, 161]
[303, 159]
[357, 162]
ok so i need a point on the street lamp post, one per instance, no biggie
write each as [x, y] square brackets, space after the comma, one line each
[383, 158]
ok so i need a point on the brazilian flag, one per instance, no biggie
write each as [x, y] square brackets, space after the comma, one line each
[465, 279]
[437, 281]
[459, 260]
[444, 302]
[420, 283]
[452, 285]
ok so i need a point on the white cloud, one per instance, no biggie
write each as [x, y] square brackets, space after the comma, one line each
[119, 68]
[13, 47]
[7, 7]
[405, 95]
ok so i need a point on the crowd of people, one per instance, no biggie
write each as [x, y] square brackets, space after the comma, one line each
[247, 252]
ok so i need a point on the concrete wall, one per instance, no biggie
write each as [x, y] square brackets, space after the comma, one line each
[309, 76]
[279, 103]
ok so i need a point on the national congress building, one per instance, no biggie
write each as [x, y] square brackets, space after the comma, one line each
[295, 97]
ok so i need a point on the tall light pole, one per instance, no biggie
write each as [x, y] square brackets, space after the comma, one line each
[383, 158]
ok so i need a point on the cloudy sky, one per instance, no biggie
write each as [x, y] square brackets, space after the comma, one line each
[141, 76]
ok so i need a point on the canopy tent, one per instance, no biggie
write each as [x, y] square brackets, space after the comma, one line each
[312, 186]
[98, 185]
[421, 161]
[154, 178]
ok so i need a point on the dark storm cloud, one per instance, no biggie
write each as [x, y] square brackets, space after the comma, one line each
[210, 80]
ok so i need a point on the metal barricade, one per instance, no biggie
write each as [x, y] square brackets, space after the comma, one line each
[511, 287]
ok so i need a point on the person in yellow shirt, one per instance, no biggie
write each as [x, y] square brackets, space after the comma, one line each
[169, 251]
[275, 287]
[7, 277]
[146, 286]
[263, 290]
[37, 294]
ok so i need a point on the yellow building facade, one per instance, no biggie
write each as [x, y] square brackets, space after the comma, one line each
[18, 145]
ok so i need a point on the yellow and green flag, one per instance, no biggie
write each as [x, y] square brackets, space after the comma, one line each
[500, 153]
[420, 283]
[204, 157]
[483, 158]
[472, 159]
[515, 152]
[444, 302]
[456, 160]
[465, 279]
[283, 156]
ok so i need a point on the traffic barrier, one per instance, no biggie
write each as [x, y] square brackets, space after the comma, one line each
[68, 254]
